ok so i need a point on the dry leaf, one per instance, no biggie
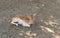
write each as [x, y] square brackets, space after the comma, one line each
[34, 34]
[28, 33]
[49, 30]
[21, 34]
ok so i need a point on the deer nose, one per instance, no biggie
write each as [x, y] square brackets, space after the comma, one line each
[15, 22]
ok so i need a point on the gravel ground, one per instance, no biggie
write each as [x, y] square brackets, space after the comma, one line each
[47, 23]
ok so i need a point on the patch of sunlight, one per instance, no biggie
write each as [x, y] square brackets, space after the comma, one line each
[47, 29]
[56, 35]
[46, 23]
[21, 34]
[51, 23]
[29, 33]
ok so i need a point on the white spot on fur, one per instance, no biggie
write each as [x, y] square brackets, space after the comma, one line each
[20, 21]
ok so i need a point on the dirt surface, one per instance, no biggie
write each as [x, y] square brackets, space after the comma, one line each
[47, 23]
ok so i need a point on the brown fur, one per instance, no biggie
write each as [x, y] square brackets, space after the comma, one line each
[27, 18]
